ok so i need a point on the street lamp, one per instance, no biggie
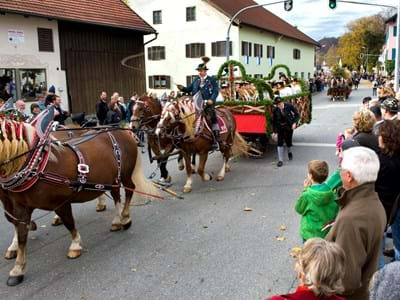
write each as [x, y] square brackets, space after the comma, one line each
[227, 47]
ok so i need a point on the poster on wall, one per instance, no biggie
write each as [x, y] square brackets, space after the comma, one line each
[15, 36]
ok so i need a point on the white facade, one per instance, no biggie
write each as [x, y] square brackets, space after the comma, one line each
[19, 52]
[211, 26]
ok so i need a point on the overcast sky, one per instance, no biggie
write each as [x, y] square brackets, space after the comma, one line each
[316, 19]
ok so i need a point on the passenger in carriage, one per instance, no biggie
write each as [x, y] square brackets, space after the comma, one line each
[62, 114]
[286, 90]
[296, 88]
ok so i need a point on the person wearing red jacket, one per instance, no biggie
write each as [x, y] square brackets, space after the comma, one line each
[319, 268]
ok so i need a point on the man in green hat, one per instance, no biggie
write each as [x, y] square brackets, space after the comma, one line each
[208, 87]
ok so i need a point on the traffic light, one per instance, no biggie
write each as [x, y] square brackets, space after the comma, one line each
[288, 5]
[332, 4]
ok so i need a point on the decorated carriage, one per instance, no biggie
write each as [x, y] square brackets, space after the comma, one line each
[340, 84]
[253, 114]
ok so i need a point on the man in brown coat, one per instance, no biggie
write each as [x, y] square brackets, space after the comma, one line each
[359, 226]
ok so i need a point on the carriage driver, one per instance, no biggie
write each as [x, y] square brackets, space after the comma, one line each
[209, 89]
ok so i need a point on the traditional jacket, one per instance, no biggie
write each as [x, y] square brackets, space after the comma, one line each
[317, 207]
[287, 119]
[209, 90]
[358, 229]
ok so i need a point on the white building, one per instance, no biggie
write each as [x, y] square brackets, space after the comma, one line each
[189, 29]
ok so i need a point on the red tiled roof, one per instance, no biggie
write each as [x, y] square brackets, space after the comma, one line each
[261, 18]
[112, 13]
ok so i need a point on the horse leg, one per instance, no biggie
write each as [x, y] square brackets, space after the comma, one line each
[65, 213]
[126, 220]
[164, 171]
[16, 275]
[225, 166]
[194, 163]
[56, 221]
[101, 203]
[116, 224]
[181, 166]
[188, 185]
[11, 252]
[202, 163]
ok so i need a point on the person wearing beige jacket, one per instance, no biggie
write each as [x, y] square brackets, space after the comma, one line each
[361, 221]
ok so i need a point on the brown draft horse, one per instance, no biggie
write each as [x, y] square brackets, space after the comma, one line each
[99, 152]
[192, 135]
[146, 113]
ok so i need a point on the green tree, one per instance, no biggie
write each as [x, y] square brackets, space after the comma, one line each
[367, 33]
[389, 66]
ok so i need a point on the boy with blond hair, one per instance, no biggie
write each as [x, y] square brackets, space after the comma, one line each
[316, 204]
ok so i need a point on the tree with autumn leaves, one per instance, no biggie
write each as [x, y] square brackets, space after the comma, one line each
[364, 33]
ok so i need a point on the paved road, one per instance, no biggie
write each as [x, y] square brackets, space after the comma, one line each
[202, 247]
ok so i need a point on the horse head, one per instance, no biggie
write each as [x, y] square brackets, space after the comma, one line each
[144, 112]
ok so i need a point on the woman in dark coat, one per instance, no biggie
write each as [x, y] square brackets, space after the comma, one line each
[387, 184]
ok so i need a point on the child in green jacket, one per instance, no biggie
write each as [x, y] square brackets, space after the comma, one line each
[316, 204]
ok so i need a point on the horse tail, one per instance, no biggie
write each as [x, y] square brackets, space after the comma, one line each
[240, 146]
[142, 184]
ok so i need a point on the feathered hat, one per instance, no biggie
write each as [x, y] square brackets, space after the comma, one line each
[203, 66]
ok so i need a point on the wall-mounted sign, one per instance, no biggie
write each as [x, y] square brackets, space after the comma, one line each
[15, 36]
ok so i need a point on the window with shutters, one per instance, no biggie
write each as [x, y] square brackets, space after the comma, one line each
[45, 38]
[190, 79]
[157, 17]
[219, 48]
[159, 82]
[302, 75]
[246, 48]
[258, 76]
[258, 50]
[296, 53]
[270, 51]
[195, 50]
[156, 53]
[190, 14]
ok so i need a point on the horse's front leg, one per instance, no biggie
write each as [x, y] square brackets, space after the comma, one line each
[16, 275]
[11, 252]
[194, 163]
[225, 166]
[65, 213]
[188, 185]
[181, 166]
[202, 163]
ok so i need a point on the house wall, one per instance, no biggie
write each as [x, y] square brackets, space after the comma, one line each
[211, 25]
[283, 53]
[25, 54]
[390, 39]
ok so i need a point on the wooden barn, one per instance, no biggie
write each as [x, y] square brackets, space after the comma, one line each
[77, 46]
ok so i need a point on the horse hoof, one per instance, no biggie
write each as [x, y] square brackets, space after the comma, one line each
[32, 226]
[10, 254]
[116, 227]
[56, 221]
[127, 225]
[181, 167]
[15, 280]
[72, 254]
[101, 207]
[187, 189]
[220, 178]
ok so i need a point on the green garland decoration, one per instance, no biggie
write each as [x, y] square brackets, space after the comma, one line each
[234, 63]
[261, 86]
[273, 70]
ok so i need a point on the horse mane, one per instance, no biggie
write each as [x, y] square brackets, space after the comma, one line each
[13, 143]
[188, 115]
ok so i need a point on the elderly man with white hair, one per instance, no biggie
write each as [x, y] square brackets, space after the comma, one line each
[359, 226]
